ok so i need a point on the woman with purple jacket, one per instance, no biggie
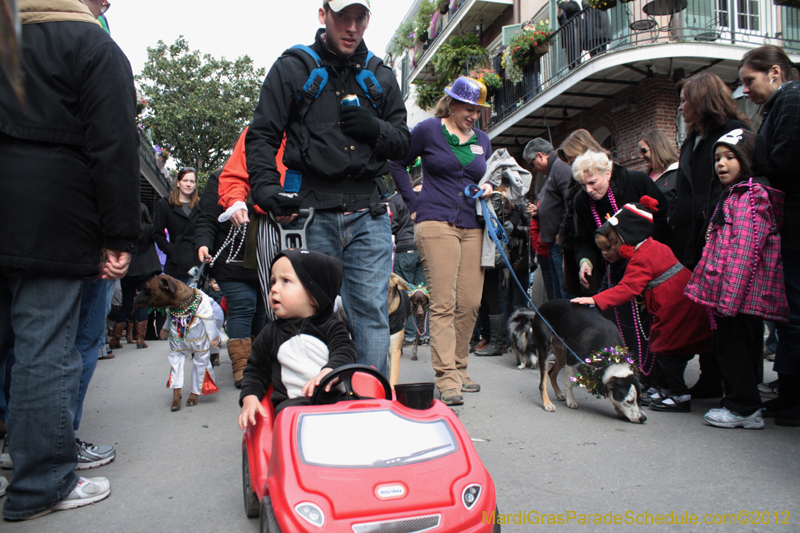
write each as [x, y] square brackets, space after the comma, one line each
[448, 233]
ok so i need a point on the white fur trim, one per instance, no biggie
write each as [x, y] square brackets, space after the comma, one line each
[224, 217]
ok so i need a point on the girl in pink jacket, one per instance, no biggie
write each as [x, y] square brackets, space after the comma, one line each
[740, 277]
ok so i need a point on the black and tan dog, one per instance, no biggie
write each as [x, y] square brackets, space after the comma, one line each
[585, 331]
[194, 329]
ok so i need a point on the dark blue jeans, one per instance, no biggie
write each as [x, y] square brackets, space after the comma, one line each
[364, 245]
[246, 313]
[42, 309]
[556, 271]
[408, 266]
[91, 325]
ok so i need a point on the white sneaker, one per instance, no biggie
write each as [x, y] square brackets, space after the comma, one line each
[724, 418]
[3, 485]
[88, 491]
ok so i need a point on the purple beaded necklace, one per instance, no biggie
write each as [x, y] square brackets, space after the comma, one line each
[635, 312]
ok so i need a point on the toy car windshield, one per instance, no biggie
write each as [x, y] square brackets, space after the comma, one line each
[371, 439]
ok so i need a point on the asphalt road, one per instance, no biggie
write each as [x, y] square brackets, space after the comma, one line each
[181, 471]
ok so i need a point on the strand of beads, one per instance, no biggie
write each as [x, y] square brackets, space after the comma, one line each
[182, 319]
[757, 251]
[230, 240]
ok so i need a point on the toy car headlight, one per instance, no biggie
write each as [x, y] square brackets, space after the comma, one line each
[310, 513]
[470, 495]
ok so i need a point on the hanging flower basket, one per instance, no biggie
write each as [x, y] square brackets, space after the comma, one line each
[787, 3]
[538, 51]
[601, 5]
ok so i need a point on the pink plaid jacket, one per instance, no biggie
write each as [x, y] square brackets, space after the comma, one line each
[724, 279]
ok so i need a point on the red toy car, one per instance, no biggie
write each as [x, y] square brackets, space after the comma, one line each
[367, 465]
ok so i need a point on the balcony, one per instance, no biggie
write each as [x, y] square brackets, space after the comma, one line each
[598, 54]
[468, 15]
[148, 169]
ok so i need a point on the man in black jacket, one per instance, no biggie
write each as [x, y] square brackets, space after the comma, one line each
[335, 156]
[541, 155]
[69, 188]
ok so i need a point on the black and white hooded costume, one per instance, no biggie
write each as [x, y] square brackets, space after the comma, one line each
[289, 352]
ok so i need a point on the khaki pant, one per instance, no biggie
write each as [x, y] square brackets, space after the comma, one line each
[451, 258]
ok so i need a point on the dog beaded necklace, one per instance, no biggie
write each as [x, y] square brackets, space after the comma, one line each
[183, 316]
[589, 373]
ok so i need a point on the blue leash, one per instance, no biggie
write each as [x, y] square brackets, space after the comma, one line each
[496, 232]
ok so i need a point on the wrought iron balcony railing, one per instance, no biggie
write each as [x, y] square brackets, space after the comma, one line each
[592, 32]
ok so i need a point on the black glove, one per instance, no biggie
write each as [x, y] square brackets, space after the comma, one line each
[283, 204]
[358, 123]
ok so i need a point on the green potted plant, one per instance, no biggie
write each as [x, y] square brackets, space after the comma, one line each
[402, 39]
[600, 5]
[423, 19]
[525, 49]
[489, 78]
[458, 56]
[428, 94]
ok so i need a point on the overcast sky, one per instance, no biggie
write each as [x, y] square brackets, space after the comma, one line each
[262, 29]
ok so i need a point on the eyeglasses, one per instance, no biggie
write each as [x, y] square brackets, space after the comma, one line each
[644, 150]
[105, 7]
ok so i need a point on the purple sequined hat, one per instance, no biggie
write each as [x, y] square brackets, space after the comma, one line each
[468, 90]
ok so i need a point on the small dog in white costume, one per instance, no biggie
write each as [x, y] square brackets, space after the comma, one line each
[195, 323]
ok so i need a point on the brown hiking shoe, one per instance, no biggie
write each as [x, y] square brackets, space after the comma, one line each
[467, 385]
[452, 397]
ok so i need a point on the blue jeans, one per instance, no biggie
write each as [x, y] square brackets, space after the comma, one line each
[557, 271]
[42, 309]
[787, 356]
[364, 245]
[91, 326]
[246, 313]
[408, 266]
[547, 276]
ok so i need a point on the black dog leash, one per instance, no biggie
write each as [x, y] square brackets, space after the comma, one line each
[496, 232]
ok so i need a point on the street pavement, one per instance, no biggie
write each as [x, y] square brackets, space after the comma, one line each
[181, 471]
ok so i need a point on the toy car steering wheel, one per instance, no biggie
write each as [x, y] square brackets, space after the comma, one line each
[345, 375]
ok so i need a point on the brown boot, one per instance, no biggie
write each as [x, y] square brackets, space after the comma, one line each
[239, 351]
[116, 335]
[176, 400]
[141, 331]
[129, 333]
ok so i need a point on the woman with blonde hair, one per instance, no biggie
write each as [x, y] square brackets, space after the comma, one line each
[661, 157]
[448, 234]
[709, 111]
[177, 215]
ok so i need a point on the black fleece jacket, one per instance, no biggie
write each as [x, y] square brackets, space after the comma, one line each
[337, 170]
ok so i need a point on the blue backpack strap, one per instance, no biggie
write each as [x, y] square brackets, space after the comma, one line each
[368, 82]
[318, 77]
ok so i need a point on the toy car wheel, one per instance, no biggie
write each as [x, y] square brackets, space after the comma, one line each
[268, 522]
[345, 375]
[496, 523]
[251, 508]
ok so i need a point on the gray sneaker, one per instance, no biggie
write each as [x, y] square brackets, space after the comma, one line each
[452, 397]
[467, 385]
[768, 387]
[723, 418]
[91, 456]
[88, 490]
[3, 485]
[5, 457]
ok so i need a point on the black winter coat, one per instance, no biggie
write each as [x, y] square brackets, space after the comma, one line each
[337, 170]
[145, 261]
[697, 187]
[211, 233]
[180, 249]
[70, 158]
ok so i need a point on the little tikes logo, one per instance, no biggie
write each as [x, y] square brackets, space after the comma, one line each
[391, 492]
